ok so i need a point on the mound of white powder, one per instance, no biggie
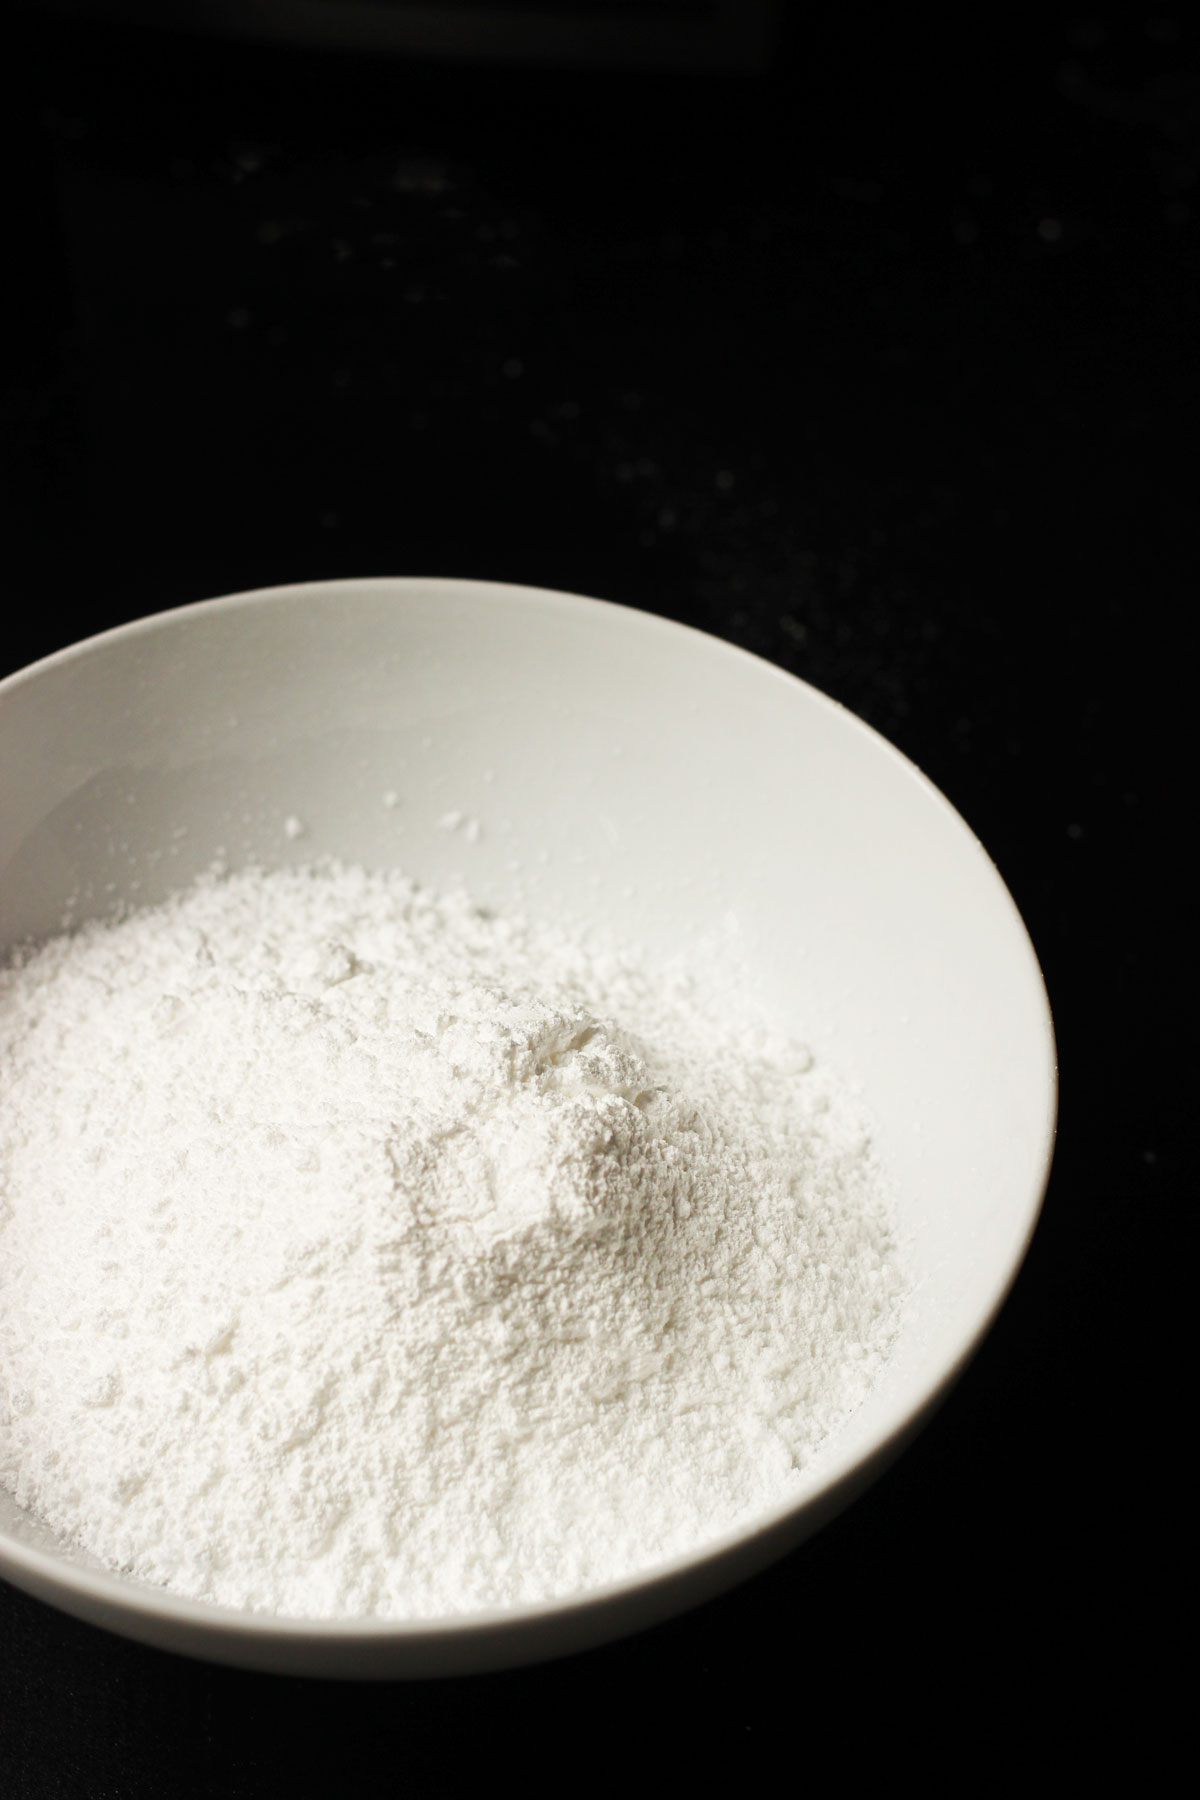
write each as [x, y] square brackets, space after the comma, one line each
[364, 1254]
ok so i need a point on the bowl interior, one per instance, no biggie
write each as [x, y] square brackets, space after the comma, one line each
[572, 760]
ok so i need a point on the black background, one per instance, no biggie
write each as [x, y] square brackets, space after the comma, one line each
[879, 365]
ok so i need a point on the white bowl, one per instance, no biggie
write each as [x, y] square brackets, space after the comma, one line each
[626, 770]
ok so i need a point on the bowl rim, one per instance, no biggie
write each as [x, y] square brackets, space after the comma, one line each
[211, 1628]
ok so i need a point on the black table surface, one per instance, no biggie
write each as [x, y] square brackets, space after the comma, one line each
[878, 364]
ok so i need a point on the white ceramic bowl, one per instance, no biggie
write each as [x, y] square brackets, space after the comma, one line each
[625, 769]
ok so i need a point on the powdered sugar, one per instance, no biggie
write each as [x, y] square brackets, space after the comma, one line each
[364, 1254]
